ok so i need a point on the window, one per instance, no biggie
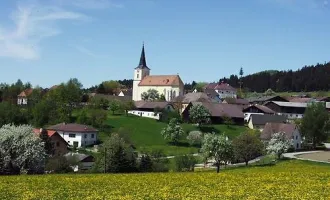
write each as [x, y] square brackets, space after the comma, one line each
[297, 145]
[72, 135]
[85, 136]
[296, 137]
[93, 135]
[137, 75]
[57, 144]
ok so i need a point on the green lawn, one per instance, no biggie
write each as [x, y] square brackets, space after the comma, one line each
[145, 133]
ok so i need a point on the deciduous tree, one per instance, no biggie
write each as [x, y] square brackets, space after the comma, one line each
[172, 131]
[199, 114]
[150, 95]
[278, 144]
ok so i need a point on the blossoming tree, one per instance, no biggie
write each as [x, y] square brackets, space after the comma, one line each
[278, 144]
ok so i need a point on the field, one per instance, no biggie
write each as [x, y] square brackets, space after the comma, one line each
[286, 180]
[145, 133]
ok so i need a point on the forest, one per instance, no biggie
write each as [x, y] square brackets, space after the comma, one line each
[307, 79]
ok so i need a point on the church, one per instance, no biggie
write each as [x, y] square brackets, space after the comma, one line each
[170, 86]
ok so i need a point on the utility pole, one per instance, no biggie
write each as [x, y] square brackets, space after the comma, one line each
[105, 160]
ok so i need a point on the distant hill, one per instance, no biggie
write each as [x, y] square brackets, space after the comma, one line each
[307, 79]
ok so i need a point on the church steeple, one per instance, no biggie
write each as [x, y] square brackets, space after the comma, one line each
[143, 62]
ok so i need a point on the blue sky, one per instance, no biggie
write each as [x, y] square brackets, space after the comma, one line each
[47, 42]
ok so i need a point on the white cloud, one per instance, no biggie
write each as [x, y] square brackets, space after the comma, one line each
[31, 24]
[86, 51]
[91, 4]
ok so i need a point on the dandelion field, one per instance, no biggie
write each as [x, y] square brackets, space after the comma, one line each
[286, 180]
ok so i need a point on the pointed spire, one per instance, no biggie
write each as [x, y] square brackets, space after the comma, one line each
[143, 62]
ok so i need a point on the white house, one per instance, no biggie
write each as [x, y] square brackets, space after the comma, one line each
[150, 109]
[170, 86]
[224, 90]
[22, 98]
[257, 110]
[257, 121]
[76, 135]
[291, 132]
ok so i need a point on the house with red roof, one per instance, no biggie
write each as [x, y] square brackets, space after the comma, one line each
[76, 135]
[59, 144]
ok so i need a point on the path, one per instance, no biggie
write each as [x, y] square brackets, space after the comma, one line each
[296, 154]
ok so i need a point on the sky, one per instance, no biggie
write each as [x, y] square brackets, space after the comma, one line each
[47, 42]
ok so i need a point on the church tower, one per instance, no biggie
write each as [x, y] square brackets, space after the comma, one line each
[141, 71]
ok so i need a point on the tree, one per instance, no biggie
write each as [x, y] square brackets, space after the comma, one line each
[217, 147]
[184, 163]
[97, 117]
[315, 125]
[10, 114]
[172, 131]
[59, 164]
[247, 146]
[111, 87]
[114, 106]
[240, 79]
[127, 106]
[49, 147]
[150, 95]
[99, 103]
[145, 164]
[195, 138]
[278, 144]
[199, 114]
[162, 97]
[116, 156]
[21, 150]
[200, 86]
[83, 117]
[269, 92]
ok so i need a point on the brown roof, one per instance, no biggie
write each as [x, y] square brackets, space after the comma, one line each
[72, 128]
[211, 86]
[193, 97]
[50, 133]
[151, 104]
[222, 109]
[224, 86]
[161, 80]
[237, 101]
[300, 100]
[271, 128]
[26, 92]
[264, 109]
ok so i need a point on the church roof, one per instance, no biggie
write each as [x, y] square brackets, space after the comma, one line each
[161, 80]
[143, 62]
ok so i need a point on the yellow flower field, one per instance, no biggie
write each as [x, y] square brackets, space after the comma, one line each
[286, 180]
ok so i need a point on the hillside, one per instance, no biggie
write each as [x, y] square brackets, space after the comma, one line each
[145, 134]
[307, 79]
[286, 180]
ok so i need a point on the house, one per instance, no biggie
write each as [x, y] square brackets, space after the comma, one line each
[151, 109]
[22, 98]
[302, 100]
[256, 109]
[259, 121]
[183, 101]
[263, 99]
[170, 86]
[213, 94]
[224, 90]
[59, 144]
[218, 112]
[76, 135]
[83, 161]
[127, 92]
[323, 99]
[291, 132]
[293, 110]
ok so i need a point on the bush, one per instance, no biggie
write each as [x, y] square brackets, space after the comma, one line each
[166, 116]
[195, 138]
[59, 164]
[184, 163]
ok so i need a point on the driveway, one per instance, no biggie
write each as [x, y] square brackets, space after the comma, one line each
[315, 156]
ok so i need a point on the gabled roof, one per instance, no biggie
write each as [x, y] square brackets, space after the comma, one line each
[128, 92]
[301, 100]
[237, 101]
[224, 86]
[26, 92]
[289, 104]
[50, 133]
[211, 86]
[271, 128]
[265, 98]
[264, 119]
[72, 128]
[262, 108]
[193, 97]
[211, 93]
[161, 80]
[222, 109]
[151, 104]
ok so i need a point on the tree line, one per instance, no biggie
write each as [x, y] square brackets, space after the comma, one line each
[307, 79]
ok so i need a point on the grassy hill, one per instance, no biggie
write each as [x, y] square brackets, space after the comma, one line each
[145, 133]
[286, 180]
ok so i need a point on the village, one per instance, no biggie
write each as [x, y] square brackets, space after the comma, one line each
[163, 98]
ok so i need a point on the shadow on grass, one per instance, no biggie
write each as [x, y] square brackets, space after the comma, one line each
[179, 144]
[208, 129]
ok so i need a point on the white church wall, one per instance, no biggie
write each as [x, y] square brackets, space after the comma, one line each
[171, 92]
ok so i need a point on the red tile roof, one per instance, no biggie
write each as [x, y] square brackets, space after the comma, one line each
[221, 86]
[161, 80]
[50, 132]
[26, 92]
